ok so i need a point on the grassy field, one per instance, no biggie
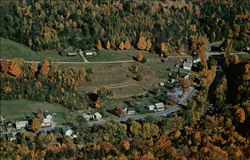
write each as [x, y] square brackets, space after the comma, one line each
[18, 109]
[11, 49]
[110, 55]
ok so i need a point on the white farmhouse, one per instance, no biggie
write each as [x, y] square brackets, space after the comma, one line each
[98, 115]
[21, 124]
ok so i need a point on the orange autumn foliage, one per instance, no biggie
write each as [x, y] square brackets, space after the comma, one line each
[139, 57]
[99, 44]
[45, 67]
[15, 68]
[108, 45]
[241, 115]
[127, 44]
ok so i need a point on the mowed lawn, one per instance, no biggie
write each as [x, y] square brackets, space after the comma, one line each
[19, 109]
[11, 49]
[120, 55]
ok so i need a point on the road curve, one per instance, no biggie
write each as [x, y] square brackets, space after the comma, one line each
[156, 114]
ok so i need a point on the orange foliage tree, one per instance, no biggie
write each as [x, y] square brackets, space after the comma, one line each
[127, 44]
[99, 44]
[139, 57]
[45, 67]
[15, 67]
[36, 124]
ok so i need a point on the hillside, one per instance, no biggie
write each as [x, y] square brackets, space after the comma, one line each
[11, 49]
[165, 27]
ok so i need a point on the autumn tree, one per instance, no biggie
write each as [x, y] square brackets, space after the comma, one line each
[108, 45]
[99, 45]
[235, 59]
[121, 46]
[45, 68]
[15, 67]
[139, 57]
[127, 45]
[240, 115]
[164, 47]
[36, 124]
[142, 44]
[98, 103]
[185, 83]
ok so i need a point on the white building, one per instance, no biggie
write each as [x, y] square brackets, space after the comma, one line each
[98, 115]
[88, 116]
[91, 53]
[47, 121]
[21, 124]
[151, 107]
[159, 107]
[187, 65]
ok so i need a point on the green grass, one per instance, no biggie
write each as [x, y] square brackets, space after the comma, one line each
[18, 109]
[11, 49]
[110, 55]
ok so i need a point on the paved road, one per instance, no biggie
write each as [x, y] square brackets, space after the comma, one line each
[157, 114]
[214, 44]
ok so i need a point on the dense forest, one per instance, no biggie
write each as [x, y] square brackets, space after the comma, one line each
[178, 25]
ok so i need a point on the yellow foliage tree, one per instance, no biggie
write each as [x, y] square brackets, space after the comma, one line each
[108, 45]
[121, 46]
[141, 44]
[164, 47]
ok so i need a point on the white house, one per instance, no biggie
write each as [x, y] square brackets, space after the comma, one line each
[187, 65]
[98, 115]
[88, 116]
[67, 131]
[21, 124]
[46, 122]
[90, 53]
[159, 107]
[151, 107]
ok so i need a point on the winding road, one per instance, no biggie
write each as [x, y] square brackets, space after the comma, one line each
[156, 114]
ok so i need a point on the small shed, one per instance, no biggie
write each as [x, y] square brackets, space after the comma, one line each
[151, 107]
[131, 111]
[187, 65]
[62, 53]
[71, 54]
[91, 53]
[98, 115]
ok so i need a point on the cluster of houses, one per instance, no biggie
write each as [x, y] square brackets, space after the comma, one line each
[95, 116]
[9, 129]
[157, 107]
[184, 62]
